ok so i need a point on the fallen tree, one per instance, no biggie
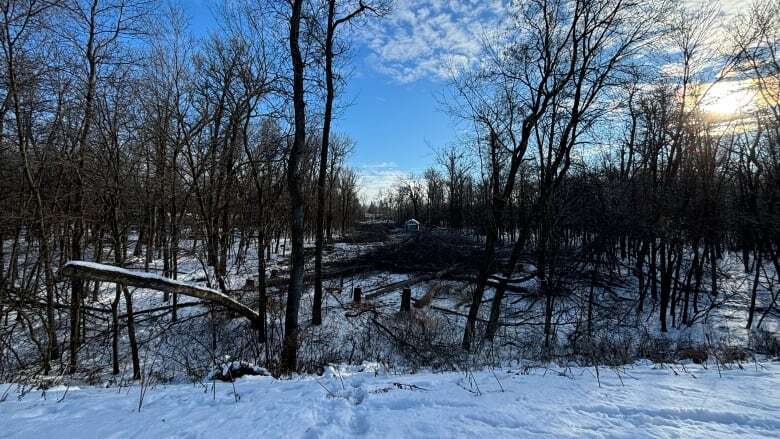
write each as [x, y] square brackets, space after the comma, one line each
[414, 280]
[109, 273]
[308, 278]
[431, 294]
[494, 281]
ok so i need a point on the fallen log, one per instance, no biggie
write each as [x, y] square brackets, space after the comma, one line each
[308, 278]
[431, 294]
[494, 282]
[408, 283]
[456, 313]
[140, 279]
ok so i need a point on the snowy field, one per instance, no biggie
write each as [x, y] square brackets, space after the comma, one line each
[635, 402]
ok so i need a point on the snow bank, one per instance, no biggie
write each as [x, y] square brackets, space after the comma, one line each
[642, 402]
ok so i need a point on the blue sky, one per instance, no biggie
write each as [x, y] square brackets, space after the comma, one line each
[400, 68]
[395, 124]
[390, 106]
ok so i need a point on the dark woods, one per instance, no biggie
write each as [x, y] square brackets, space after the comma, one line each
[590, 152]
[126, 140]
[595, 151]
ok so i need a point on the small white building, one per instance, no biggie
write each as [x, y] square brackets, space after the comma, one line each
[412, 225]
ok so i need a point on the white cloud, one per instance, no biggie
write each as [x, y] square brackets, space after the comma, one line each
[431, 38]
[732, 7]
[377, 177]
[435, 38]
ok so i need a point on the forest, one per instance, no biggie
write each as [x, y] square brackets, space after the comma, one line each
[178, 206]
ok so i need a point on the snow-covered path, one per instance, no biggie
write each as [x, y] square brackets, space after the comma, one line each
[643, 402]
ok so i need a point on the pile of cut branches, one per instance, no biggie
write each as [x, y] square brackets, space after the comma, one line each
[365, 233]
[424, 252]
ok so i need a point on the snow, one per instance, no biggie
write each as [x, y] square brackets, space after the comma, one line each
[635, 402]
[642, 400]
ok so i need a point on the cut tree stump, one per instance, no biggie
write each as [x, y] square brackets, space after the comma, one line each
[406, 300]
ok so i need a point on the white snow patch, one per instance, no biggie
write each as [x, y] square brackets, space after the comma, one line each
[643, 402]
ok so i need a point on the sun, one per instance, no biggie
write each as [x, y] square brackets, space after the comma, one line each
[727, 98]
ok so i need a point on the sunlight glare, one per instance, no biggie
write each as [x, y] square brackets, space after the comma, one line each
[728, 98]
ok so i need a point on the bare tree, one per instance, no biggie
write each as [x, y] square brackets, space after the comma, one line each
[335, 18]
[548, 75]
[294, 177]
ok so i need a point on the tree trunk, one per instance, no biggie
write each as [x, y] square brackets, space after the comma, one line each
[115, 331]
[261, 288]
[666, 282]
[131, 333]
[640, 274]
[320, 220]
[479, 289]
[295, 290]
[754, 292]
[495, 308]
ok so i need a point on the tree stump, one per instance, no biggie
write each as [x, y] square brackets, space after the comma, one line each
[406, 300]
[357, 295]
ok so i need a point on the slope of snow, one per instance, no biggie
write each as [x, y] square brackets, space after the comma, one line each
[641, 401]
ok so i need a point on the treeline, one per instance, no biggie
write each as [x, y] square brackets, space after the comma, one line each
[125, 139]
[598, 145]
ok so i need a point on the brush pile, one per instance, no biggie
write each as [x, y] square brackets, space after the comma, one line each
[424, 251]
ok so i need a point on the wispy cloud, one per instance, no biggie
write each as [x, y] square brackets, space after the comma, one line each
[377, 177]
[729, 7]
[431, 38]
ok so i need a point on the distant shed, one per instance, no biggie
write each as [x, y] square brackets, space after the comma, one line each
[412, 225]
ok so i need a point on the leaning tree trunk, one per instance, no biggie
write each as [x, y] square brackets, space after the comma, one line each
[495, 309]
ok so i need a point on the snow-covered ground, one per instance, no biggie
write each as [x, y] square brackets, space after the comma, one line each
[365, 401]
